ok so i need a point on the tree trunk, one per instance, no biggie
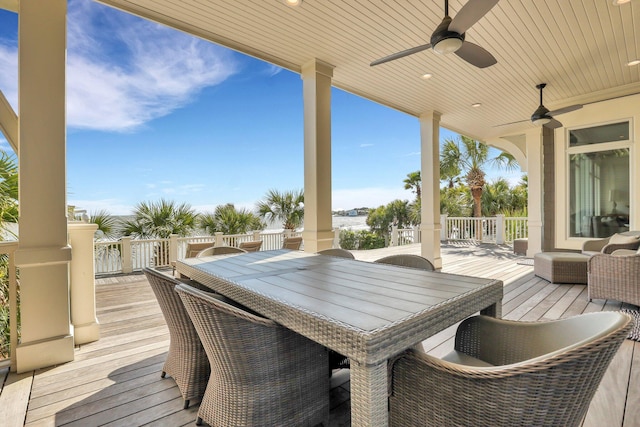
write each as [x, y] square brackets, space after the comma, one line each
[476, 193]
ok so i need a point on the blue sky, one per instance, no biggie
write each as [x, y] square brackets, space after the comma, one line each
[153, 113]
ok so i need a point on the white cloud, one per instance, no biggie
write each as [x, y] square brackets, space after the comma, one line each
[371, 197]
[272, 70]
[123, 71]
[366, 145]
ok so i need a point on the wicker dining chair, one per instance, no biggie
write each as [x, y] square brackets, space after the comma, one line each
[508, 373]
[187, 362]
[220, 250]
[407, 260]
[338, 252]
[292, 243]
[192, 250]
[262, 373]
[252, 246]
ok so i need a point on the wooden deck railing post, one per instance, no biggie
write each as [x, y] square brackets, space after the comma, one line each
[173, 248]
[394, 236]
[127, 259]
[500, 229]
[443, 229]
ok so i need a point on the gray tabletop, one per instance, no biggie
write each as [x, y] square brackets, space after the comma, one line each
[369, 312]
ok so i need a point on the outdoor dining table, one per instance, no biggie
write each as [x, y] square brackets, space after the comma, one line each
[369, 312]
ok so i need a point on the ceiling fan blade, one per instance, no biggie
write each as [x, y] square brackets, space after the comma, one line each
[475, 55]
[553, 124]
[565, 110]
[401, 54]
[470, 14]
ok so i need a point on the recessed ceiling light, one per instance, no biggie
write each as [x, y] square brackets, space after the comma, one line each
[634, 62]
[293, 3]
[619, 2]
[427, 76]
[476, 105]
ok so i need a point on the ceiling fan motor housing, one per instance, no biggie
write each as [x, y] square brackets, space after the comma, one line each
[541, 115]
[444, 41]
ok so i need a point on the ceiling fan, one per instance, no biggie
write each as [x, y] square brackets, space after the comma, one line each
[543, 117]
[449, 36]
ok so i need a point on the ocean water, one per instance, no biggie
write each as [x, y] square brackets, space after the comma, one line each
[346, 222]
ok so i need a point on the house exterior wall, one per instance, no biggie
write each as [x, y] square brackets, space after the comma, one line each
[612, 111]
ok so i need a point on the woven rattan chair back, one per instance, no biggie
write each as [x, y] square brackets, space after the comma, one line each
[194, 248]
[508, 373]
[187, 361]
[339, 252]
[220, 250]
[292, 243]
[262, 373]
[407, 260]
[253, 246]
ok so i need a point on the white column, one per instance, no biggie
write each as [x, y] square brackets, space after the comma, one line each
[43, 256]
[83, 285]
[430, 152]
[316, 77]
[535, 202]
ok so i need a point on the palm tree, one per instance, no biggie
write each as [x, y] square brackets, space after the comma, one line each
[159, 220]
[449, 165]
[8, 189]
[472, 157]
[287, 207]
[413, 182]
[229, 220]
[8, 214]
[107, 224]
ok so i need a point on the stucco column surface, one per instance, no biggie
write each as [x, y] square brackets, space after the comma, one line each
[430, 174]
[535, 190]
[318, 233]
[43, 255]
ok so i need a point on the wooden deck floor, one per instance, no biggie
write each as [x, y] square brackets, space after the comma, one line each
[115, 381]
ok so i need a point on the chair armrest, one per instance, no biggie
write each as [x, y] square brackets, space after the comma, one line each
[623, 252]
[610, 247]
[594, 245]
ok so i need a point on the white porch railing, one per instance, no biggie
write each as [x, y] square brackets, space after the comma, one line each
[127, 255]
[498, 229]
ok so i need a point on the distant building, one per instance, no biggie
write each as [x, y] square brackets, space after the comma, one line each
[352, 212]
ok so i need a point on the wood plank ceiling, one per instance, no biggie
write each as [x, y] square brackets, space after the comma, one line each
[580, 48]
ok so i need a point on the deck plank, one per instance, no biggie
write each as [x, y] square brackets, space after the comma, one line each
[116, 380]
[14, 398]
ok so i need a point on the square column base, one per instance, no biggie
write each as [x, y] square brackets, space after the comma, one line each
[84, 334]
[42, 354]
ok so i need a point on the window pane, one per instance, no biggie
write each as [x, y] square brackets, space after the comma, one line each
[599, 134]
[599, 193]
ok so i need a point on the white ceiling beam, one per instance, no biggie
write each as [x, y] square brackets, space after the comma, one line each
[9, 122]
[11, 5]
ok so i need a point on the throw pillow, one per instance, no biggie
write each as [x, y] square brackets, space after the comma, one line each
[621, 239]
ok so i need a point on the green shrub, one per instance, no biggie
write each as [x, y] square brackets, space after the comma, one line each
[369, 240]
[348, 240]
[362, 239]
